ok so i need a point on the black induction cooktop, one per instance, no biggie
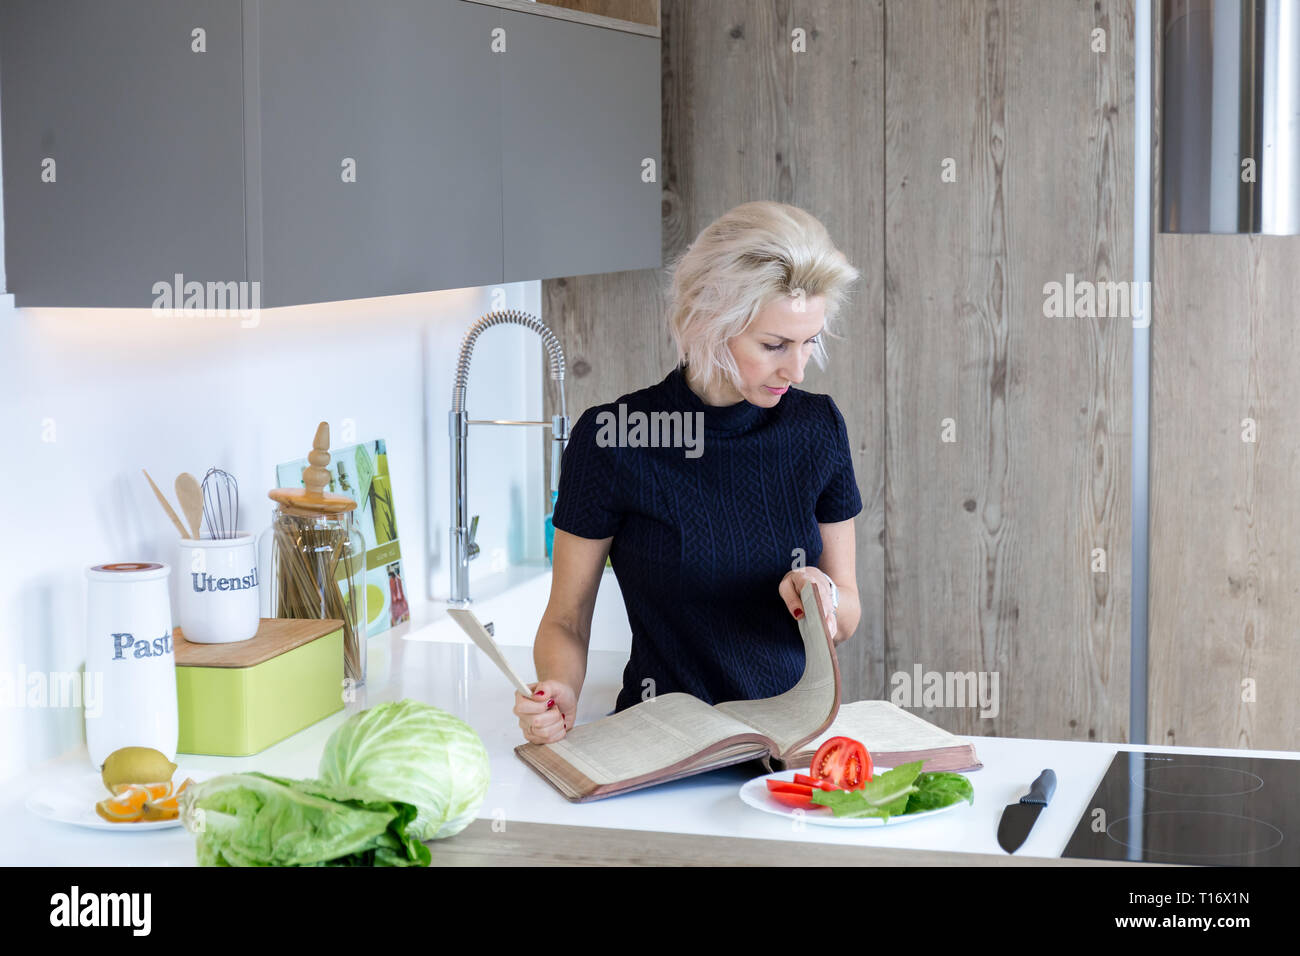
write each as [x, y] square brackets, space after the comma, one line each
[1193, 809]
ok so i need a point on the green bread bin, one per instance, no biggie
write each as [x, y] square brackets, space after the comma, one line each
[238, 699]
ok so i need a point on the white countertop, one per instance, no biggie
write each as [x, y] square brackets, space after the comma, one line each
[457, 677]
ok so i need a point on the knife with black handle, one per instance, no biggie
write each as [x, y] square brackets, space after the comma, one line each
[1018, 818]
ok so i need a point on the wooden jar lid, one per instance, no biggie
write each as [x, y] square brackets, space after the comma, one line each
[312, 499]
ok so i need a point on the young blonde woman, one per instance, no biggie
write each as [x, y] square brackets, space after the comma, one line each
[703, 539]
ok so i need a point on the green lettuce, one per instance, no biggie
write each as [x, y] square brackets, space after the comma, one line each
[897, 792]
[935, 790]
[886, 795]
[253, 819]
[414, 752]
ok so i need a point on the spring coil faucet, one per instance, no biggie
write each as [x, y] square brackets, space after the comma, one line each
[463, 530]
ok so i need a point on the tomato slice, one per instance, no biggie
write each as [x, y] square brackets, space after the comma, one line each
[793, 794]
[799, 800]
[785, 786]
[844, 762]
[814, 782]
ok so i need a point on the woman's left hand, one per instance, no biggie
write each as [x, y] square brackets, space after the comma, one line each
[793, 583]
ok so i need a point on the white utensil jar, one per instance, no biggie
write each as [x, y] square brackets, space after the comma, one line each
[129, 656]
[217, 594]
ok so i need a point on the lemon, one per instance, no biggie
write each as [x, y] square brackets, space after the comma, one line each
[136, 765]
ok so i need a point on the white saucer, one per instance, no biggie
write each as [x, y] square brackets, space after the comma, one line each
[74, 803]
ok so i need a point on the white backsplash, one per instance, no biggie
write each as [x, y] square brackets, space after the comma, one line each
[89, 397]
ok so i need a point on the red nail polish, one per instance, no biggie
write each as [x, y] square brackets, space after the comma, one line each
[540, 694]
[550, 704]
[798, 612]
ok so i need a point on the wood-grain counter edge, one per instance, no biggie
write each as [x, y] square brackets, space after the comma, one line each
[542, 844]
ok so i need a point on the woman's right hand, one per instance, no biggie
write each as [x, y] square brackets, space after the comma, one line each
[549, 714]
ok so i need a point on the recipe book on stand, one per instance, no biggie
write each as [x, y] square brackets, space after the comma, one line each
[677, 735]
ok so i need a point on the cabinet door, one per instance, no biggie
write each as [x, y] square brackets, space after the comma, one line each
[143, 132]
[580, 111]
[406, 91]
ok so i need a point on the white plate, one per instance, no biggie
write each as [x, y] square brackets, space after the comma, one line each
[74, 803]
[755, 793]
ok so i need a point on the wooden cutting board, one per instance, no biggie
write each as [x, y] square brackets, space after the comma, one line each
[275, 636]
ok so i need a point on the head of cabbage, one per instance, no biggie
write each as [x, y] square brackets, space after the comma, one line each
[416, 753]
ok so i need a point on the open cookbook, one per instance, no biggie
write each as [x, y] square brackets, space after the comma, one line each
[678, 735]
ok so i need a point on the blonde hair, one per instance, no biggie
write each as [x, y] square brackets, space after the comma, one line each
[737, 265]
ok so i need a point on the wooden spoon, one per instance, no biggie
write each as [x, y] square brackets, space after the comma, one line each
[190, 494]
[166, 506]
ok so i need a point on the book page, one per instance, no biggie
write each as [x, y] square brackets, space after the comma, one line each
[798, 713]
[646, 738]
[885, 727]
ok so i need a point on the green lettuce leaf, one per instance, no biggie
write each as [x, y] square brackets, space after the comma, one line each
[935, 790]
[887, 795]
[897, 792]
[254, 819]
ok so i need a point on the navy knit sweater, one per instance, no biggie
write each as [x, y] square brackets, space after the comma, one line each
[704, 532]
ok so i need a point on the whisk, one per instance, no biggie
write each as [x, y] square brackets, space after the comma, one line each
[221, 503]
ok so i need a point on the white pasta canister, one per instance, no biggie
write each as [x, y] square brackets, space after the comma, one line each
[129, 655]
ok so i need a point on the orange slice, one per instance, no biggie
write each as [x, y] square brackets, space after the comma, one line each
[155, 791]
[126, 807]
[165, 809]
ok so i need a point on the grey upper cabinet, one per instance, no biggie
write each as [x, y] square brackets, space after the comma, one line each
[123, 148]
[404, 93]
[325, 149]
[580, 109]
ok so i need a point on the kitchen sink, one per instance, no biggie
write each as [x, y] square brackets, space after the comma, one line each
[515, 608]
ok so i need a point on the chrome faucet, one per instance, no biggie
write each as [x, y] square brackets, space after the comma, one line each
[463, 548]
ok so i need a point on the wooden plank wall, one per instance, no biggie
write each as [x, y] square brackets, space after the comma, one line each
[1225, 529]
[1225, 554]
[974, 555]
[638, 11]
[991, 538]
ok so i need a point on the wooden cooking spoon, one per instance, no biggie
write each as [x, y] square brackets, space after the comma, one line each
[171, 513]
[190, 494]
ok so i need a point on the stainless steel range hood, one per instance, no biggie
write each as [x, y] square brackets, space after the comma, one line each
[1230, 124]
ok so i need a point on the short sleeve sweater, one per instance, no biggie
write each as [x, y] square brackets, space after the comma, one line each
[705, 524]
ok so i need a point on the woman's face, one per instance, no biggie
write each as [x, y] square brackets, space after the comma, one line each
[772, 352]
